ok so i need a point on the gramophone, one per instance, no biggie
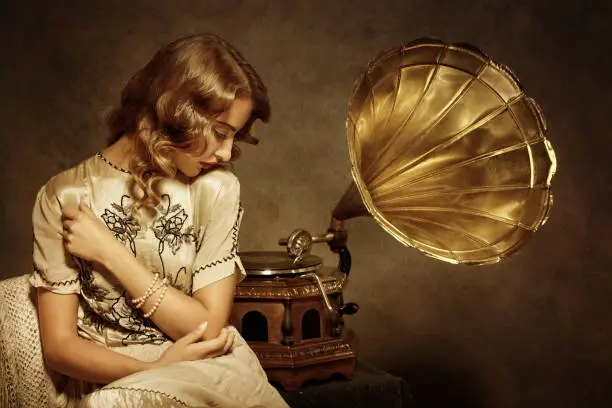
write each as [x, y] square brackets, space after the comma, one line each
[448, 155]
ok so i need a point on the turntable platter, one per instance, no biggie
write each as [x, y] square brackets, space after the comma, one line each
[273, 263]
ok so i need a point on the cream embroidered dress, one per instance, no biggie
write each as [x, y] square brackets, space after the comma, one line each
[192, 241]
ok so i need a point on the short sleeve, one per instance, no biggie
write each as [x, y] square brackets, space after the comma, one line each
[54, 267]
[218, 214]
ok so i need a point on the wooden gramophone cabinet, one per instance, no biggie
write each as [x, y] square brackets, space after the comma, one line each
[296, 332]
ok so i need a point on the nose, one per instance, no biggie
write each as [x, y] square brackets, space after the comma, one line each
[224, 152]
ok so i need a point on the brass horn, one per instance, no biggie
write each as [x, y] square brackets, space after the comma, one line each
[448, 154]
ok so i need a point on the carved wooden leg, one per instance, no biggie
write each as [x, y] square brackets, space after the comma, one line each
[287, 327]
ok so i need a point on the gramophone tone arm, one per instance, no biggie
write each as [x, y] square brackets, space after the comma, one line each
[328, 237]
[323, 238]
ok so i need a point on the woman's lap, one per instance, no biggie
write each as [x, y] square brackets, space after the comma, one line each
[233, 380]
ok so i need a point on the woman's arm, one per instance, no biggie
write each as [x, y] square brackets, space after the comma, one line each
[178, 313]
[87, 237]
[71, 355]
[218, 299]
[67, 353]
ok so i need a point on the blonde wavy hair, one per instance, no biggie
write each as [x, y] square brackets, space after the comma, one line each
[172, 103]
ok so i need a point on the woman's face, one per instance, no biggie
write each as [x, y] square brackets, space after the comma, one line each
[218, 146]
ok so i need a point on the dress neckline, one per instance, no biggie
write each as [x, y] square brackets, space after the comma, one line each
[114, 166]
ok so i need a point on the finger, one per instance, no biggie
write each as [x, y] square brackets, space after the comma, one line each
[85, 208]
[230, 342]
[67, 225]
[209, 347]
[194, 335]
[215, 354]
[226, 347]
[70, 211]
[66, 231]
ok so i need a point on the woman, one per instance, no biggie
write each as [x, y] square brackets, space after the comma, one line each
[135, 248]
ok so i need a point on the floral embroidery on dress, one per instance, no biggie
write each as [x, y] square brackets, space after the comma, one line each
[94, 320]
[121, 315]
[168, 226]
[108, 308]
[121, 222]
[177, 281]
[89, 289]
[133, 320]
[122, 318]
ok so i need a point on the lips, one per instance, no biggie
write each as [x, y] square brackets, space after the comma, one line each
[207, 166]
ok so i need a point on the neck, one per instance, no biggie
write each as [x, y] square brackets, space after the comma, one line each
[121, 152]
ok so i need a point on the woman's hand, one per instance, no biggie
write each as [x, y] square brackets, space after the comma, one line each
[191, 347]
[85, 235]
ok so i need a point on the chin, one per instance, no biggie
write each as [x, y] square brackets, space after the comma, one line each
[190, 173]
[208, 168]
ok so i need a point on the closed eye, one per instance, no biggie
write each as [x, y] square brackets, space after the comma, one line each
[220, 135]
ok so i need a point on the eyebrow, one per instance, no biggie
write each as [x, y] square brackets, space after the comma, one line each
[228, 125]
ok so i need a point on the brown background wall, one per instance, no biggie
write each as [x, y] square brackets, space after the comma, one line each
[533, 331]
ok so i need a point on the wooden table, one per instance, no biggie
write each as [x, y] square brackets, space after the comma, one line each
[369, 388]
